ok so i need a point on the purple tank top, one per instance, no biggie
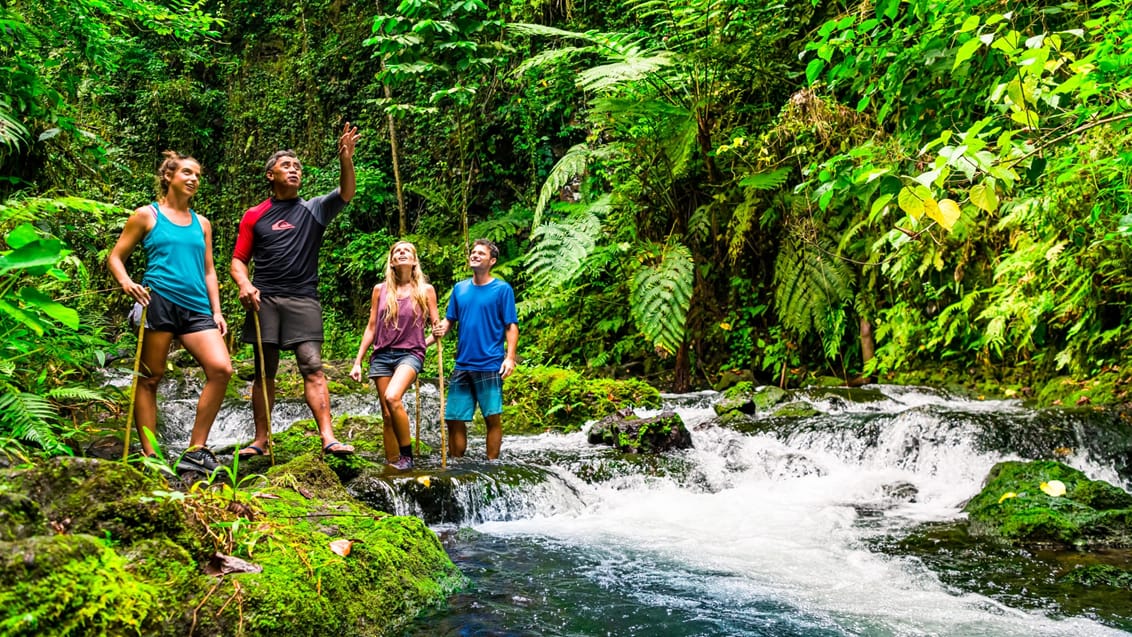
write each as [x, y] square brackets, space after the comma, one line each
[407, 334]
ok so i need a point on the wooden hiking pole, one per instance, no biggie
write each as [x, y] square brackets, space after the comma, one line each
[263, 386]
[134, 387]
[418, 436]
[440, 386]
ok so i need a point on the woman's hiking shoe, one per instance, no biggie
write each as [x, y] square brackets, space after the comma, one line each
[404, 463]
[198, 460]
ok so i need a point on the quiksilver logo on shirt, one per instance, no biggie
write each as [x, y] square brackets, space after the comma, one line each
[282, 224]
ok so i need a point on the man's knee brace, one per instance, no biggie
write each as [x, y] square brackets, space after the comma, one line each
[308, 357]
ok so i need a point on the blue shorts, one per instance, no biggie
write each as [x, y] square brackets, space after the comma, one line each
[466, 389]
[383, 362]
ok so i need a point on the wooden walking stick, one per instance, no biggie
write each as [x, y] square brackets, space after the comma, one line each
[418, 436]
[440, 386]
[263, 386]
[134, 387]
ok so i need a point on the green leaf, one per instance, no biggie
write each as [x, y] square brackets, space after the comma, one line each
[40, 252]
[814, 69]
[879, 204]
[966, 51]
[21, 316]
[22, 235]
[983, 196]
[911, 200]
[49, 306]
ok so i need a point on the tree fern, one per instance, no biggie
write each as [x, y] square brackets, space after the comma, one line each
[661, 296]
[810, 288]
[573, 163]
[499, 228]
[559, 249]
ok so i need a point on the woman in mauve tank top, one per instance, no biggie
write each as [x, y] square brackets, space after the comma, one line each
[400, 309]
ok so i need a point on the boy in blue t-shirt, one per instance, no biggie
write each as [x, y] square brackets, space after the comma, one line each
[485, 309]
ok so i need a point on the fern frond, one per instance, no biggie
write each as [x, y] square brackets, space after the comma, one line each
[560, 249]
[573, 163]
[502, 227]
[77, 393]
[766, 180]
[661, 297]
[628, 69]
[28, 417]
[550, 58]
[809, 288]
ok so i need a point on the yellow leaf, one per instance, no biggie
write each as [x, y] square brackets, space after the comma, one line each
[1007, 496]
[342, 547]
[912, 200]
[424, 480]
[1053, 488]
[946, 213]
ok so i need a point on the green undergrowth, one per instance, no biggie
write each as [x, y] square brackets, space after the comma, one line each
[541, 398]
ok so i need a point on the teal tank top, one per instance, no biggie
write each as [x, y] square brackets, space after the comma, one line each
[175, 262]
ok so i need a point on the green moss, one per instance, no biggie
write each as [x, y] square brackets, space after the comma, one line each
[71, 585]
[1095, 575]
[540, 398]
[143, 574]
[1013, 507]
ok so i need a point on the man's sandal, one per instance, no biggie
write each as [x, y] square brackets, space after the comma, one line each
[336, 448]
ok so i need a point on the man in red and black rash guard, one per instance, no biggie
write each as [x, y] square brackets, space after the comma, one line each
[282, 236]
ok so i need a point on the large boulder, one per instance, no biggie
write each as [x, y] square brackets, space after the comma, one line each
[1048, 503]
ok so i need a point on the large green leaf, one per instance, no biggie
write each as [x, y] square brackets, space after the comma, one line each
[35, 254]
[49, 306]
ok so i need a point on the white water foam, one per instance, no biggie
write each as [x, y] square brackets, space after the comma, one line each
[774, 519]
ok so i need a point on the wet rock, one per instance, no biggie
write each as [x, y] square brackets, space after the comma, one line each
[629, 434]
[1014, 507]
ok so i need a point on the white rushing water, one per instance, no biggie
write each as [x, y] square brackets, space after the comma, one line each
[773, 520]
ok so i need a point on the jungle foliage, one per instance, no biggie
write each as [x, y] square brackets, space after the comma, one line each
[679, 188]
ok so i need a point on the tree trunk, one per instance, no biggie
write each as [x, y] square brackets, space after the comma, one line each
[868, 341]
[402, 217]
[682, 378]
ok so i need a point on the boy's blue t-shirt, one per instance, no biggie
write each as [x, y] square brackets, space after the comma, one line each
[483, 313]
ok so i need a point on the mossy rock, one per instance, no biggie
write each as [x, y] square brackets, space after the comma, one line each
[1012, 507]
[795, 409]
[72, 585]
[629, 434]
[394, 569]
[541, 398]
[20, 517]
[101, 498]
[114, 581]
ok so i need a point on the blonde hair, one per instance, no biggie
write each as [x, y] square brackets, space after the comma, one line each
[419, 280]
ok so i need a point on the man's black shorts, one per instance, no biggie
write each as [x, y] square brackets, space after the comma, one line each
[285, 321]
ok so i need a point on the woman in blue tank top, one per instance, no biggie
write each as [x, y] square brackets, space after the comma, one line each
[182, 300]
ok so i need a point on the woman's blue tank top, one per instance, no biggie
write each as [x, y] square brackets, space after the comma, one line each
[175, 262]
